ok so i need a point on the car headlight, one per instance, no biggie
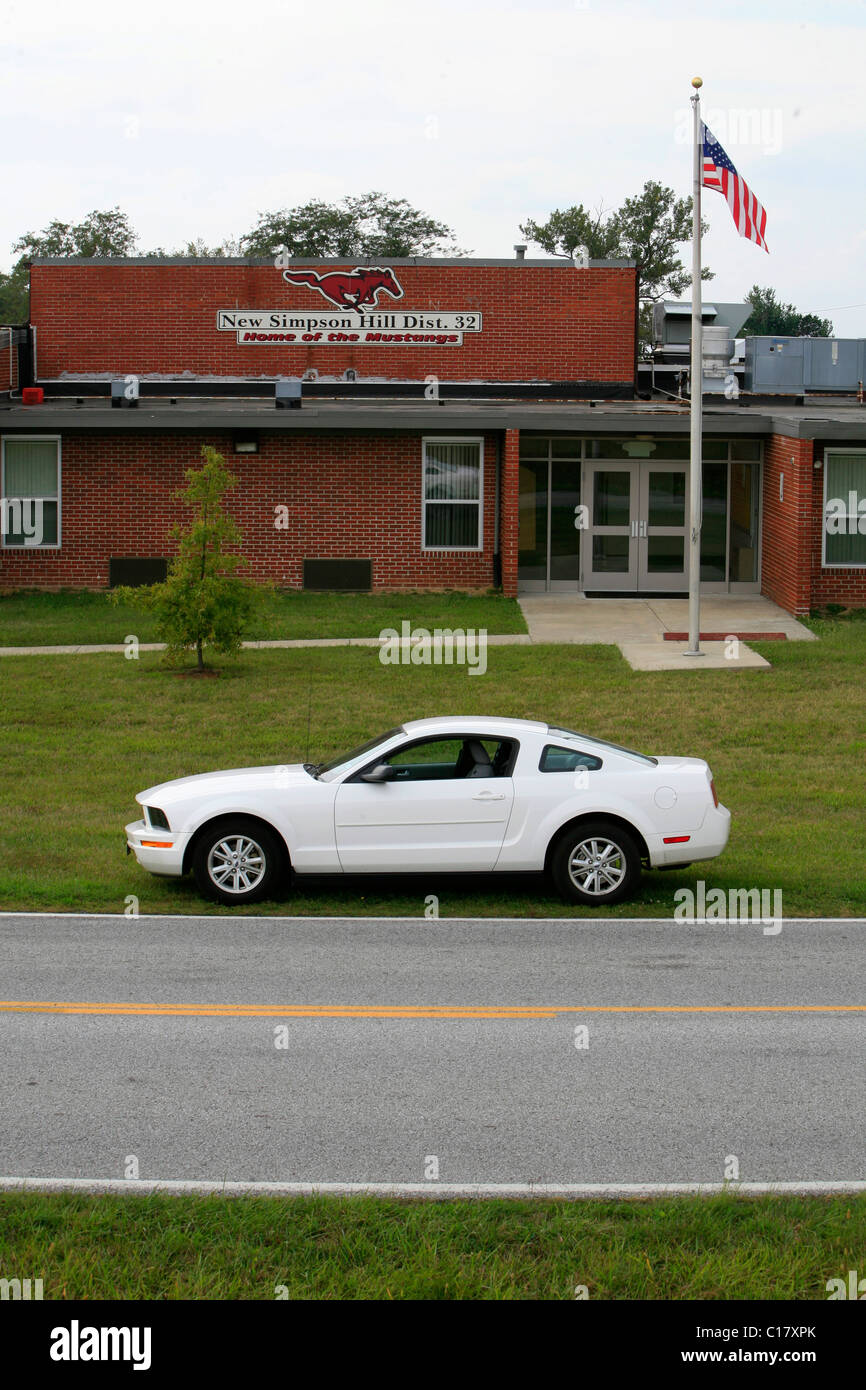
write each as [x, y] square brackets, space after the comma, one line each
[156, 819]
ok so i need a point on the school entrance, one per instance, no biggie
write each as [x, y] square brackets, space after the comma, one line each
[611, 516]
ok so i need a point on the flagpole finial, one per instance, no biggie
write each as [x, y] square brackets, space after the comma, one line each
[697, 82]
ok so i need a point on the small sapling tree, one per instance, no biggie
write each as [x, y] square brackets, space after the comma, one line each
[203, 602]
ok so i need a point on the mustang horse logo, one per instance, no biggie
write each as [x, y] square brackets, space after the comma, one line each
[349, 290]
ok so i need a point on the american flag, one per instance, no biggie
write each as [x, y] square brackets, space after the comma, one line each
[719, 173]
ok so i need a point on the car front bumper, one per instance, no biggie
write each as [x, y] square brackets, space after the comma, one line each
[158, 851]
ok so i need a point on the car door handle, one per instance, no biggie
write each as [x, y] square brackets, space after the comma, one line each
[489, 796]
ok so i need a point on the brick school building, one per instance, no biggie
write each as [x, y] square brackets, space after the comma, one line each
[417, 424]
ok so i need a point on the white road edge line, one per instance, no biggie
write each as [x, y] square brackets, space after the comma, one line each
[372, 917]
[431, 1190]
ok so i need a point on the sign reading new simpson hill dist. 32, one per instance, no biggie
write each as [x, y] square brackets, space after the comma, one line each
[356, 316]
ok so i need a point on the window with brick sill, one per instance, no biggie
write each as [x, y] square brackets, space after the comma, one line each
[452, 493]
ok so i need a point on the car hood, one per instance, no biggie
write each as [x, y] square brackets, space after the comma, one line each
[211, 783]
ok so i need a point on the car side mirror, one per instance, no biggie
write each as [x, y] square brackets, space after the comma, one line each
[382, 772]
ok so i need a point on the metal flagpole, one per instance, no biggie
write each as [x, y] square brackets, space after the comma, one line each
[695, 390]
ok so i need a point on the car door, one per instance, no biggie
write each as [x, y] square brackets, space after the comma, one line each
[445, 809]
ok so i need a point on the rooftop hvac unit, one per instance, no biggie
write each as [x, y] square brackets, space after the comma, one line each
[124, 393]
[834, 364]
[287, 394]
[718, 349]
[792, 365]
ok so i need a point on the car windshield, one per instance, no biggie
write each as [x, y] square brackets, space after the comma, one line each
[327, 771]
[602, 743]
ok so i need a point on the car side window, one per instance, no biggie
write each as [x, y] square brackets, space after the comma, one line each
[444, 759]
[556, 759]
[434, 759]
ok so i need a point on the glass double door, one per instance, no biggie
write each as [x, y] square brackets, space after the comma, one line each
[636, 519]
[603, 526]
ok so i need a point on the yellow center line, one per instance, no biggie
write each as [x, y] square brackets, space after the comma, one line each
[407, 1011]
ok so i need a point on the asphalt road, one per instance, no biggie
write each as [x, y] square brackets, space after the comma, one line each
[406, 1040]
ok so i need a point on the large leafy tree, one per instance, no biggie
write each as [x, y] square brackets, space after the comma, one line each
[204, 602]
[370, 227]
[651, 227]
[569, 229]
[769, 315]
[106, 233]
[647, 229]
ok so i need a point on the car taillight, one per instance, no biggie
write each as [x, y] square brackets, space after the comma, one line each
[714, 792]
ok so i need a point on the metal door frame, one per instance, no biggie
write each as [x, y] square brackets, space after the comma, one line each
[647, 583]
[548, 585]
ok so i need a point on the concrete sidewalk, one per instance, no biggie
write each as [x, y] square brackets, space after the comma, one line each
[572, 618]
[510, 639]
[638, 627]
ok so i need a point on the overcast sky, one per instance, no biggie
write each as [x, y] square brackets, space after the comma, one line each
[195, 117]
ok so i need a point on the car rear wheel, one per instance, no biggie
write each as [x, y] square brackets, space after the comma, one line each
[597, 862]
[237, 861]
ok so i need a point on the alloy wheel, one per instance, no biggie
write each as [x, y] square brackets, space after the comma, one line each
[236, 864]
[597, 866]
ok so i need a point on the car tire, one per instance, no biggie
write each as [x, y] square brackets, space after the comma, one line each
[238, 861]
[596, 863]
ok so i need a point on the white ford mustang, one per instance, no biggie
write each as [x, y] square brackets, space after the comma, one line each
[453, 794]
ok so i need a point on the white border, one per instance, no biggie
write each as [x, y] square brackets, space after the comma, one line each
[435, 1191]
[57, 439]
[828, 453]
[452, 439]
[231, 916]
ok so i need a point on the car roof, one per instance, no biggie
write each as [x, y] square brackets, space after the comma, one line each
[492, 726]
[474, 723]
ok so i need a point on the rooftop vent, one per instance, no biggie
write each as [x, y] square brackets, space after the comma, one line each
[124, 393]
[288, 393]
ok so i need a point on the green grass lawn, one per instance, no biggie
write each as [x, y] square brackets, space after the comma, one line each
[74, 616]
[79, 735]
[155, 1247]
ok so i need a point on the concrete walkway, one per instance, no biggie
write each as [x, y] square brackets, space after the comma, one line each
[511, 639]
[638, 627]
[572, 618]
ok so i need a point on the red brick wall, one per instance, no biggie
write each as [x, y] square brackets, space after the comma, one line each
[510, 511]
[348, 496]
[787, 523]
[539, 323]
[846, 586]
[793, 532]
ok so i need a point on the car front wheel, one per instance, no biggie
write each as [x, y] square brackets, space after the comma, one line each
[237, 861]
[597, 863]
